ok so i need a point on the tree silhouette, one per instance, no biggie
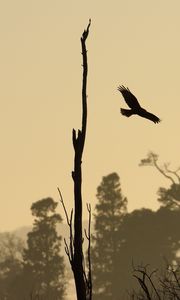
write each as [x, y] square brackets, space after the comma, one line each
[11, 252]
[43, 264]
[74, 249]
[122, 240]
[110, 210]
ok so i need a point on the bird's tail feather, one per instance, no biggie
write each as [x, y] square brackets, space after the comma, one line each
[126, 112]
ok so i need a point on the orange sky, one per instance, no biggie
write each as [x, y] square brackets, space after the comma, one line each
[134, 43]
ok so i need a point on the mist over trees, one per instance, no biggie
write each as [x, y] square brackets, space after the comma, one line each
[123, 242]
[35, 270]
[11, 257]
[125, 247]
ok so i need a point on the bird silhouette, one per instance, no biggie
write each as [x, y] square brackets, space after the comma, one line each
[136, 109]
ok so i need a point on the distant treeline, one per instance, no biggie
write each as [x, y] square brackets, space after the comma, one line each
[126, 248]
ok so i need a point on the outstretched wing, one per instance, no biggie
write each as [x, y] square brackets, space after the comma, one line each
[150, 116]
[130, 99]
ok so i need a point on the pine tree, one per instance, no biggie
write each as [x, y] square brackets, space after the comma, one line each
[44, 266]
[110, 209]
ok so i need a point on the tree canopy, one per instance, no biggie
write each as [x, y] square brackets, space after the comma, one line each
[43, 264]
[110, 210]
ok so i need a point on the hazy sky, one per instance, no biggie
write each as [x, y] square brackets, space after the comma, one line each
[134, 43]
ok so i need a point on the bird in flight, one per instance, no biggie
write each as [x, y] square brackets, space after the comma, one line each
[136, 109]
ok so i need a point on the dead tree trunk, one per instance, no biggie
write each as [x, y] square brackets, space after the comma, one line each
[78, 143]
[74, 250]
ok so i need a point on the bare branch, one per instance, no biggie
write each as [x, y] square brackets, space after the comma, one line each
[62, 202]
[152, 160]
[163, 173]
[143, 285]
[176, 277]
[88, 236]
[144, 273]
[68, 249]
[175, 173]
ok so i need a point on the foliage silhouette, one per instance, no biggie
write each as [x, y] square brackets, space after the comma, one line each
[122, 239]
[110, 211]
[149, 238]
[43, 264]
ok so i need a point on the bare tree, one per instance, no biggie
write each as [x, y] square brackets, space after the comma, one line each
[168, 197]
[74, 249]
[152, 160]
